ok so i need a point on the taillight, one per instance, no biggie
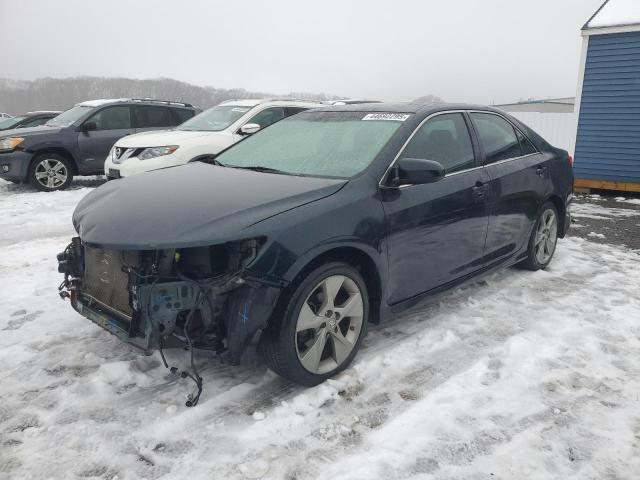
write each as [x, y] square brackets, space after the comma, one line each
[571, 160]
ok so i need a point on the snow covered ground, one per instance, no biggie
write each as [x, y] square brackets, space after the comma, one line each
[520, 375]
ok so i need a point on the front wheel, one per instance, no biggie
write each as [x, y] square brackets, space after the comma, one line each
[323, 323]
[49, 172]
[544, 237]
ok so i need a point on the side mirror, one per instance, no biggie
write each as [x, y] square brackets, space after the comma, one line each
[89, 126]
[415, 171]
[249, 128]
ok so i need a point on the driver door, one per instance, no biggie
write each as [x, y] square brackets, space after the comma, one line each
[437, 231]
[112, 124]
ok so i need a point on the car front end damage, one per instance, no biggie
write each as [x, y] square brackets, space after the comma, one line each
[197, 297]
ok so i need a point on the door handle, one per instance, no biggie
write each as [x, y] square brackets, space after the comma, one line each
[541, 170]
[480, 189]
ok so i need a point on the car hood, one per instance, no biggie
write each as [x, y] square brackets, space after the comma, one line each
[191, 205]
[162, 138]
[30, 132]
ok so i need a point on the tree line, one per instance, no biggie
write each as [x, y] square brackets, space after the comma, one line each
[19, 96]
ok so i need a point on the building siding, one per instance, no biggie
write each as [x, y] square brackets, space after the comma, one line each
[608, 137]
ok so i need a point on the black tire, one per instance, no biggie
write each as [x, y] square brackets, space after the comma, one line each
[533, 261]
[56, 183]
[279, 344]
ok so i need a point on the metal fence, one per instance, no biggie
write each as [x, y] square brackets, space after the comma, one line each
[559, 129]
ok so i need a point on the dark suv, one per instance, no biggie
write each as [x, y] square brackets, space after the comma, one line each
[77, 141]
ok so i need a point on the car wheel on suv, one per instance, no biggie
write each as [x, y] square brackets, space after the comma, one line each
[49, 172]
[323, 323]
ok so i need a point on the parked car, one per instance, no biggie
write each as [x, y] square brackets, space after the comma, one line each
[207, 133]
[314, 227]
[77, 141]
[29, 119]
[5, 115]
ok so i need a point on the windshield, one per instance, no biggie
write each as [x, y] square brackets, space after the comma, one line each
[324, 144]
[6, 123]
[215, 119]
[67, 118]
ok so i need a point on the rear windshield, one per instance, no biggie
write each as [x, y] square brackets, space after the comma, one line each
[215, 119]
[323, 144]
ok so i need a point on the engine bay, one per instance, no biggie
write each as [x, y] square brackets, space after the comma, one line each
[173, 298]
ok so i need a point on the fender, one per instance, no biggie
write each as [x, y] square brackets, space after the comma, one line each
[332, 244]
[52, 145]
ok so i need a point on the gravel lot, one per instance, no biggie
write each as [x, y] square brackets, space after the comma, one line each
[607, 219]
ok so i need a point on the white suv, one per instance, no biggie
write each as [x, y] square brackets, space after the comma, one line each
[207, 133]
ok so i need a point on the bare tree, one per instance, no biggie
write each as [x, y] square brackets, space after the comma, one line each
[18, 96]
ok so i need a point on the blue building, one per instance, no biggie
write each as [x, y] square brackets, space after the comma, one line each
[607, 152]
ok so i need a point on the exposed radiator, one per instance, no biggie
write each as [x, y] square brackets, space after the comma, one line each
[104, 279]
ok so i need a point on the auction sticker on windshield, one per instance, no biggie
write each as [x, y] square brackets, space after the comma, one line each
[399, 117]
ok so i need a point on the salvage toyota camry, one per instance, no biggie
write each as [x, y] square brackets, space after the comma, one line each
[302, 234]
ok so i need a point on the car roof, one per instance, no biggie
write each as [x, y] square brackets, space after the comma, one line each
[42, 112]
[252, 102]
[350, 101]
[407, 107]
[146, 101]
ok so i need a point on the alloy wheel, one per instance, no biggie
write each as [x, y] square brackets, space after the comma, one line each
[51, 173]
[329, 324]
[546, 236]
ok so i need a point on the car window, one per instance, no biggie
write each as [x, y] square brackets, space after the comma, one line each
[70, 116]
[268, 116]
[293, 110]
[525, 144]
[112, 118]
[324, 144]
[445, 139]
[150, 117]
[215, 119]
[9, 122]
[497, 136]
[182, 114]
[35, 122]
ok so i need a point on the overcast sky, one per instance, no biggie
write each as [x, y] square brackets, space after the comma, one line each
[480, 51]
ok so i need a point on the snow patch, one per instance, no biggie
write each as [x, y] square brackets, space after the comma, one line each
[520, 375]
[615, 13]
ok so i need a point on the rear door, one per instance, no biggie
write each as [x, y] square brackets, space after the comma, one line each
[519, 178]
[437, 231]
[112, 123]
[153, 117]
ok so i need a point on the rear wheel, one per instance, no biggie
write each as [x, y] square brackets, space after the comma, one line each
[542, 244]
[49, 172]
[323, 324]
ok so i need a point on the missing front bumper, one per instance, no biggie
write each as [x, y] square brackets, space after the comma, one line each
[152, 311]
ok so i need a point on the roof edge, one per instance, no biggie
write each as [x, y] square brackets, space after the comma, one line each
[623, 28]
[586, 25]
